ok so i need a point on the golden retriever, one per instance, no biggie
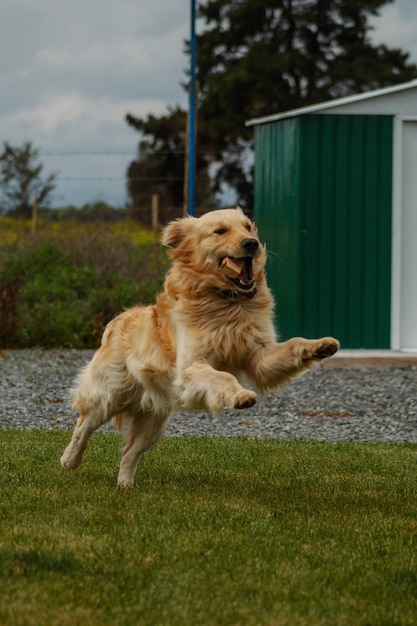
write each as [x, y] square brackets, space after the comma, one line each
[211, 327]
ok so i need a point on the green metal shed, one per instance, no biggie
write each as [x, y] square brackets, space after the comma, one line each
[336, 204]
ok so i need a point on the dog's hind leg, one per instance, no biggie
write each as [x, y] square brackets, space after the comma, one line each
[145, 430]
[87, 423]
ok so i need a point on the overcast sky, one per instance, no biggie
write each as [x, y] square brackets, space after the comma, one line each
[70, 71]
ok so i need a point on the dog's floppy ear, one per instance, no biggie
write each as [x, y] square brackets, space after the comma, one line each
[175, 231]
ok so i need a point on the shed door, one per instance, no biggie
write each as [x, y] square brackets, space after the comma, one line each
[408, 306]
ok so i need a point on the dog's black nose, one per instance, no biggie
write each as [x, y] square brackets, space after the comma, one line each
[250, 245]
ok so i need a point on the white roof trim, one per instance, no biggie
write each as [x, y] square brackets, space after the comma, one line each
[330, 104]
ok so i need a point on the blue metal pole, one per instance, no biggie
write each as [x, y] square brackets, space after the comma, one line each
[192, 115]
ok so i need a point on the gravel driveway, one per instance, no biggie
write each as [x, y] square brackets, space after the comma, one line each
[331, 404]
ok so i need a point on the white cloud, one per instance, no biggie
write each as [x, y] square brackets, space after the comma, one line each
[65, 109]
[47, 116]
[93, 56]
[70, 72]
[397, 27]
[87, 141]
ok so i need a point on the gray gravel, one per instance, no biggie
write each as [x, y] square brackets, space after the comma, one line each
[365, 404]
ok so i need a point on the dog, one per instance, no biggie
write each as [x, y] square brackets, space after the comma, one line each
[210, 329]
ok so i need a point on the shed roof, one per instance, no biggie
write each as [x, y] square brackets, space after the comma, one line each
[398, 99]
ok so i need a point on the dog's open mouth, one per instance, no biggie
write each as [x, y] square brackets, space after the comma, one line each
[238, 270]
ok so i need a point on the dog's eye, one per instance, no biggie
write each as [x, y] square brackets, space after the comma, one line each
[248, 227]
[220, 231]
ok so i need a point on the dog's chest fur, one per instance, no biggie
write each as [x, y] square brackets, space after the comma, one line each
[221, 332]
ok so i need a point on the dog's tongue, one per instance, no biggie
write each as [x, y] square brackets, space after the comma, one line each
[243, 276]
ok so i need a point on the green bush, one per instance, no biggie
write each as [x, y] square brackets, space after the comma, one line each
[62, 304]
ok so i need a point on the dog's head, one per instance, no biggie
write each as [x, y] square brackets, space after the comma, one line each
[221, 247]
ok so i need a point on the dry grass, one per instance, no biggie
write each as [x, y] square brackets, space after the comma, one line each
[122, 247]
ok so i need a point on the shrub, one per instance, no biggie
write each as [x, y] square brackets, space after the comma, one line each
[60, 303]
[121, 246]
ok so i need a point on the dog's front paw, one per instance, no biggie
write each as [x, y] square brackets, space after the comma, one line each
[325, 348]
[244, 399]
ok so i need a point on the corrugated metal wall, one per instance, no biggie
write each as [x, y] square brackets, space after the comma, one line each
[323, 194]
[277, 197]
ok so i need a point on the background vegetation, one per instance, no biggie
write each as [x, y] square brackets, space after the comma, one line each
[22, 180]
[60, 286]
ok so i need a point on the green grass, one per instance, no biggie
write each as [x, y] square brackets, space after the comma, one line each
[217, 531]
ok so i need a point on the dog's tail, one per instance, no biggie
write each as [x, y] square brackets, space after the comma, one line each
[119, 422]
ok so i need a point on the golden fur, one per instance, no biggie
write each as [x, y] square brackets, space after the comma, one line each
[205, 334]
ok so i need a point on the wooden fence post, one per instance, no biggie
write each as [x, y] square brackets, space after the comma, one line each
[34, 214]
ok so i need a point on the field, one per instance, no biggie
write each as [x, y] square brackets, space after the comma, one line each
[216, 531]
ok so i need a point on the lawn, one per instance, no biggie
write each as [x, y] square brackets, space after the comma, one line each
[216, 531]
